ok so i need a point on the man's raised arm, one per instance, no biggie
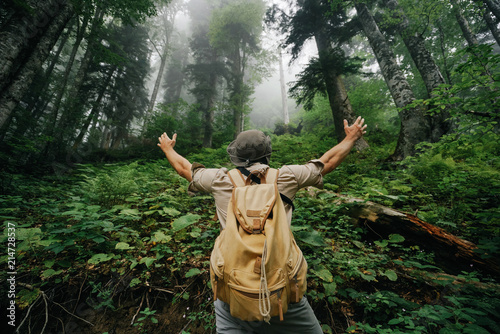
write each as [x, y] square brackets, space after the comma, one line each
[339, 152]
[181, 165]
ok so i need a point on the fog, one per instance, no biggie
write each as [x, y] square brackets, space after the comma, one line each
[266, 103]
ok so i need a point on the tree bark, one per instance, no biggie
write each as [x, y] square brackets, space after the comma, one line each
[21, 35]
[159, 76]
[168, 23]
[73, 106]
[464, 24]
[284, 102]
[492, 25]
[210, 105]
[337, 94]
[20, 82]
[414, 126]
[454, 254]
[67, 71]
[426, 66]
[494, 7]
[95, 110]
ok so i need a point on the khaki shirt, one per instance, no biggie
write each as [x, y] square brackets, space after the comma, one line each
[291, 178]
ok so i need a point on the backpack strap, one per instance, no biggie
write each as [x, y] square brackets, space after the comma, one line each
[237, 179]
[255, 178]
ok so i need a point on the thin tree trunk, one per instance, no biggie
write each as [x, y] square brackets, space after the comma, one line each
[443, 53]
[337, 94]
[163, 62]
[464, 24]
[494, 7]
[19, 84]
[426, 66]
[210, 106]
[69, 66]
[95, 110]
[284, 103]
[414, 126]
[492, 25]
[74, 104]
[48, 73]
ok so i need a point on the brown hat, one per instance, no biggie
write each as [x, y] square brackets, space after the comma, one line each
[249, 147]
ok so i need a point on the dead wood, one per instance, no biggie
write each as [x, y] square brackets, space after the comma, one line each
[453, 253]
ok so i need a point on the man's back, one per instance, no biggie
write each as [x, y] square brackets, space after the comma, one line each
[291, 179]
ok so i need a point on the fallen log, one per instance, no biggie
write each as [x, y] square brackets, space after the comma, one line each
[453, 253]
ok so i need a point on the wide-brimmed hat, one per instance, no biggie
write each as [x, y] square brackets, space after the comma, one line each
[249, 147]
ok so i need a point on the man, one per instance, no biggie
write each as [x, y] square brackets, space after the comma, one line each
[252, 150]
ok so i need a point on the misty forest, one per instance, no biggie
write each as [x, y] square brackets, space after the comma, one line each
[100, 234]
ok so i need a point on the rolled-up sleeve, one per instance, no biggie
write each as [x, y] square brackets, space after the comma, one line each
[295, 177]
[205, 179]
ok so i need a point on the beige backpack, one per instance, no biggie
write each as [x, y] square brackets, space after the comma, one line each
[256, 266]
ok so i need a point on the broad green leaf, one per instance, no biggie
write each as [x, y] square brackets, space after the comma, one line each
[169, 212]
[368, 275]
[50, 272]
[134, 282]
[391, 275]
[312, 238]
[123, 245]
[101, 257]
[148, 261]
[192, 272]
[358, 244]
[26, 297]
[324, 274]
[184, 221]
[49, 263]
[130, 212]
[330, 288]
[382, 243]
[396, 238]
[299, 228]
[395, 321]
[28, 233]
[160, 237]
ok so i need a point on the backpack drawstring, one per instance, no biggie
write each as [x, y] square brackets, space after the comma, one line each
[264, 293]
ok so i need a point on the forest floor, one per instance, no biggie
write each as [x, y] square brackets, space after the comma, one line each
[124, 248]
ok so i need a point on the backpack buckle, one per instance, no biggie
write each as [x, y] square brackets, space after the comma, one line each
[257, 229]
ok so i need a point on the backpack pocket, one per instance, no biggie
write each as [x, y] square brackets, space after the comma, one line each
[217, 273]
[244, 302]
[298, 280]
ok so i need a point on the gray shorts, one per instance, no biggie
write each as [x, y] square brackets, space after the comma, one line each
[298, 319]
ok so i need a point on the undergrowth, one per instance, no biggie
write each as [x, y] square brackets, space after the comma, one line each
[128, 239]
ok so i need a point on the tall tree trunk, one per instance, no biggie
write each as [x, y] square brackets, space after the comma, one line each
[35, 102]
[159, 76]
[67, 71]
[426, 66]
[210, 105]
[492, 25]
[95, 110]
[414, 126]
[237, 95]
[494, 7]
[23, 32]
[284, 102]
[168, 22]
[74, 104]
[337, 94]
[443, 53]
[464, 24]
[20, 82]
